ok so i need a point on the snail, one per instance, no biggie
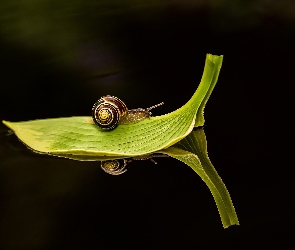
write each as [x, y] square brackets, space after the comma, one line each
[120, 166]
[114, 167]
[110, 111]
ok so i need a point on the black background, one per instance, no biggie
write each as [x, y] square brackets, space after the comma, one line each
[58, 58]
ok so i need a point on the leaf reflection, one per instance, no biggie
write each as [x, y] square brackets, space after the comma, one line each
[192, 150]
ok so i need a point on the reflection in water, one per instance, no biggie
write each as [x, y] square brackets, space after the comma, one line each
[115, 167]
[10, 141]
[120, 166]
[191, 150]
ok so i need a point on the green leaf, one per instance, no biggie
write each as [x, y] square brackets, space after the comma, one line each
[79, 136]
[217, 61]
[192, 150]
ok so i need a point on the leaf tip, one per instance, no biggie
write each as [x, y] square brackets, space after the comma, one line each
[5, 123]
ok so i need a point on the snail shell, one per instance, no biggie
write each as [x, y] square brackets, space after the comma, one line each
[106, 112]
[114, 167]
[109, 111]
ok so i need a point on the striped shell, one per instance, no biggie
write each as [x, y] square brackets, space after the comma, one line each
[106, 112]
[114, 167]
[109, 111]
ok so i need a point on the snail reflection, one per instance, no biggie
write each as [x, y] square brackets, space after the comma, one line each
[110, 111]
[114, 167]
[120, 166]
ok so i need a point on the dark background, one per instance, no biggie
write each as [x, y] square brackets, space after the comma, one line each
[58, 57]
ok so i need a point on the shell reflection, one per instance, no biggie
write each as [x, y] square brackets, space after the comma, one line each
[114, 167]
[120, 166]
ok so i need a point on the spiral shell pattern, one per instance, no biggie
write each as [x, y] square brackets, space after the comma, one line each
[114, 167]
[106, 112]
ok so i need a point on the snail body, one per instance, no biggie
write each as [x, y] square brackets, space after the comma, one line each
[109, 111]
